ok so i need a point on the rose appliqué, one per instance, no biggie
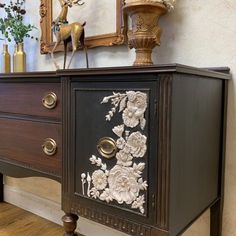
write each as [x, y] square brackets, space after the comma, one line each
[124, 158]
[120, 143]
[136, 106]
[137, 143]
[123, 184]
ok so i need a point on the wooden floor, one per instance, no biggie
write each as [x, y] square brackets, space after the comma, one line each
[17, 222]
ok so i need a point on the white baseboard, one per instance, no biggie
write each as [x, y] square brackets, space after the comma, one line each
[40, 206]
[52, 211]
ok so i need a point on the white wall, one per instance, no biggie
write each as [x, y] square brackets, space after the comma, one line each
[198, 33]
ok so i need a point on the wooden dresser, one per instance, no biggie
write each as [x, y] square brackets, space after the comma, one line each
[139, 149]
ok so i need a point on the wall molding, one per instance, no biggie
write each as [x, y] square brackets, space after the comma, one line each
[45, 208]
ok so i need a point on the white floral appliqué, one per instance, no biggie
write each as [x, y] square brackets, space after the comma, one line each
[137, 144]
[123, 183]
[99, 179]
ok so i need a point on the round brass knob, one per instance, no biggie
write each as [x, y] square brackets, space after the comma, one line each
[49, 146]
[49, 100]
[107, 147]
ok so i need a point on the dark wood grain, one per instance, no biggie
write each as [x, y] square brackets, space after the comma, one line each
[160, 68]
[195, 147]
[124, 70]
[186, 121]
[26, 98]
[66, 137]
[42, 75]
[70, 222]
[19, 170]
[1, 187]
[21, 142]
[216, 212]
[86, 131]
[188, 105]
[163, 141]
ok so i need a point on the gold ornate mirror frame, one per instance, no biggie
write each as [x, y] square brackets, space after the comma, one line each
[46, 41]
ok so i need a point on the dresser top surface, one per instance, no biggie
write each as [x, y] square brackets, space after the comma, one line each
[214, 72]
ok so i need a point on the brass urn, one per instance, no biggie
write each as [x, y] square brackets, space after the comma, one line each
[145, 33]
[6, 60]
[19, 58]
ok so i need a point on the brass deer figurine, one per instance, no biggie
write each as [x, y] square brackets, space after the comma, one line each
[66, 32]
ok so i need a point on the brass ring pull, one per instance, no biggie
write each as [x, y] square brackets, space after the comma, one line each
[50, 100]
[107, 147]
[49, 146]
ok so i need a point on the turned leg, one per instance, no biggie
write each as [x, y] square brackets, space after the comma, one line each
[70, 223]
[216, 219]
[1, 187]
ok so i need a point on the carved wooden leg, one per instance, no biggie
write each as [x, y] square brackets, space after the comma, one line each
[216, 219]
[1, 187]
[70, 223]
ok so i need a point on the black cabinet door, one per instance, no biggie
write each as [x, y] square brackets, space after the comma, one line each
[113, 157]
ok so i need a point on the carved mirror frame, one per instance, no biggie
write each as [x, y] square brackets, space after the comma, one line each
[110, 39]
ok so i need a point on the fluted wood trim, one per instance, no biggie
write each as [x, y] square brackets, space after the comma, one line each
[164, 151]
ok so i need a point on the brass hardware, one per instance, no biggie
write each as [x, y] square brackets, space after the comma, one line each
[49, 146]
[107, 147]
[50, 100]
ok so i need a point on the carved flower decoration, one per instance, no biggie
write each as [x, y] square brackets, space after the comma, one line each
[99, 179]
[140, 102]
[129, 117]
[136, 106]
[106, 196]
[139, 203]
[131, 95]
[124, 159]
[137, 144]
[123, 184]
[118, 130]
[120, 143]
[124, 181]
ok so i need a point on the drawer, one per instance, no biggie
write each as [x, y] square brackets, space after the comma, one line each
[27, 98]
[22, 142]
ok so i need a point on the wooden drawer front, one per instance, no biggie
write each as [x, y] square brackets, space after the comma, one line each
[21, 142]
[26, 98]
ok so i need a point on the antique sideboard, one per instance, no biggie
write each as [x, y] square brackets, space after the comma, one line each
[138, 149]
